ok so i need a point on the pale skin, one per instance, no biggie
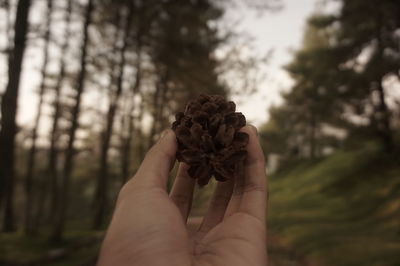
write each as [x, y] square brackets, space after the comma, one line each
[149, 226]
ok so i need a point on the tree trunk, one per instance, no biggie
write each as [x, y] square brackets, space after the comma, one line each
[9, 47]
[8, 114]
[127, 140]
[127, 145]
[7, 52]
[101, 196]
[384, 127]
[58, 226]
[156, 106]
[158, 102]
[140, 136]
[28, 223]
[105, 136]
[51, 171]
[313, 129]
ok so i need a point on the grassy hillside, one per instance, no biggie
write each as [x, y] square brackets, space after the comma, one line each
[80, 248]
[343, 210]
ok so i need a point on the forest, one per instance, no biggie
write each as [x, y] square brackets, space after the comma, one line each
[109, 78]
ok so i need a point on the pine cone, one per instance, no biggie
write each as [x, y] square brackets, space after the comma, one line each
[209, 140]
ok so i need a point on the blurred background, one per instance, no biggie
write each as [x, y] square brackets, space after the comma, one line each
[88, 85]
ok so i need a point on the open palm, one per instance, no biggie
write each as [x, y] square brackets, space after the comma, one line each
[149, 226]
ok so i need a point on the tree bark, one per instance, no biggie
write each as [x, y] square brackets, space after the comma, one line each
[156, 99]
[51, 172]
[140, 133]
[101, 196]
[28, 223]
[59, 223]
[384, 127]
[127, 140]
[8, 114]
[158, 102]
[313, 129]
[8, 30]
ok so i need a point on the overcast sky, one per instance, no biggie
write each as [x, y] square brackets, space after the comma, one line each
[282, 32]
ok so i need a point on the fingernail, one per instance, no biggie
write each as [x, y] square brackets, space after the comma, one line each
[165, 133]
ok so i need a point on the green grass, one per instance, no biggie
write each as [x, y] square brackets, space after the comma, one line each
[343, 210]
[78, 248]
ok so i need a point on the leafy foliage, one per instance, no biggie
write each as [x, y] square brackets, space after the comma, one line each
[339, 76]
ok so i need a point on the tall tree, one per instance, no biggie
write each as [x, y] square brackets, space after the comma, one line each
[8, 114]
[339, 76]
[184, 65]
[53, 155]
[382, 109]
[159, 101]
[367, 32]
[101, 197]
[310, 96]
[8, 28]
[59, 221]
[28, 225]
[144, 17]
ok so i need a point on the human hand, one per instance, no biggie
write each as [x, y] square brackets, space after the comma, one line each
[149, 226]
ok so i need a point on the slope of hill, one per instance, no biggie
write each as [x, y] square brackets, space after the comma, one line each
[343, 210]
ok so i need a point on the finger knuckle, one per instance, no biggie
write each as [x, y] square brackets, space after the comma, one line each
[127, 188]
[180, 199]
[250, 186]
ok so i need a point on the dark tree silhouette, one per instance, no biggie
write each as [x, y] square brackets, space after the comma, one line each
[130, 124]
[126, 137]
[53, 155]
[8, 114]
[101, 197]
[8, 28]
[383, 117]
[59, 221]
[28, 225]
[183, 64]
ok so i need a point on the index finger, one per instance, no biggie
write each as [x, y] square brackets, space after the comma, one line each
[159, 161]
[253, 198]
